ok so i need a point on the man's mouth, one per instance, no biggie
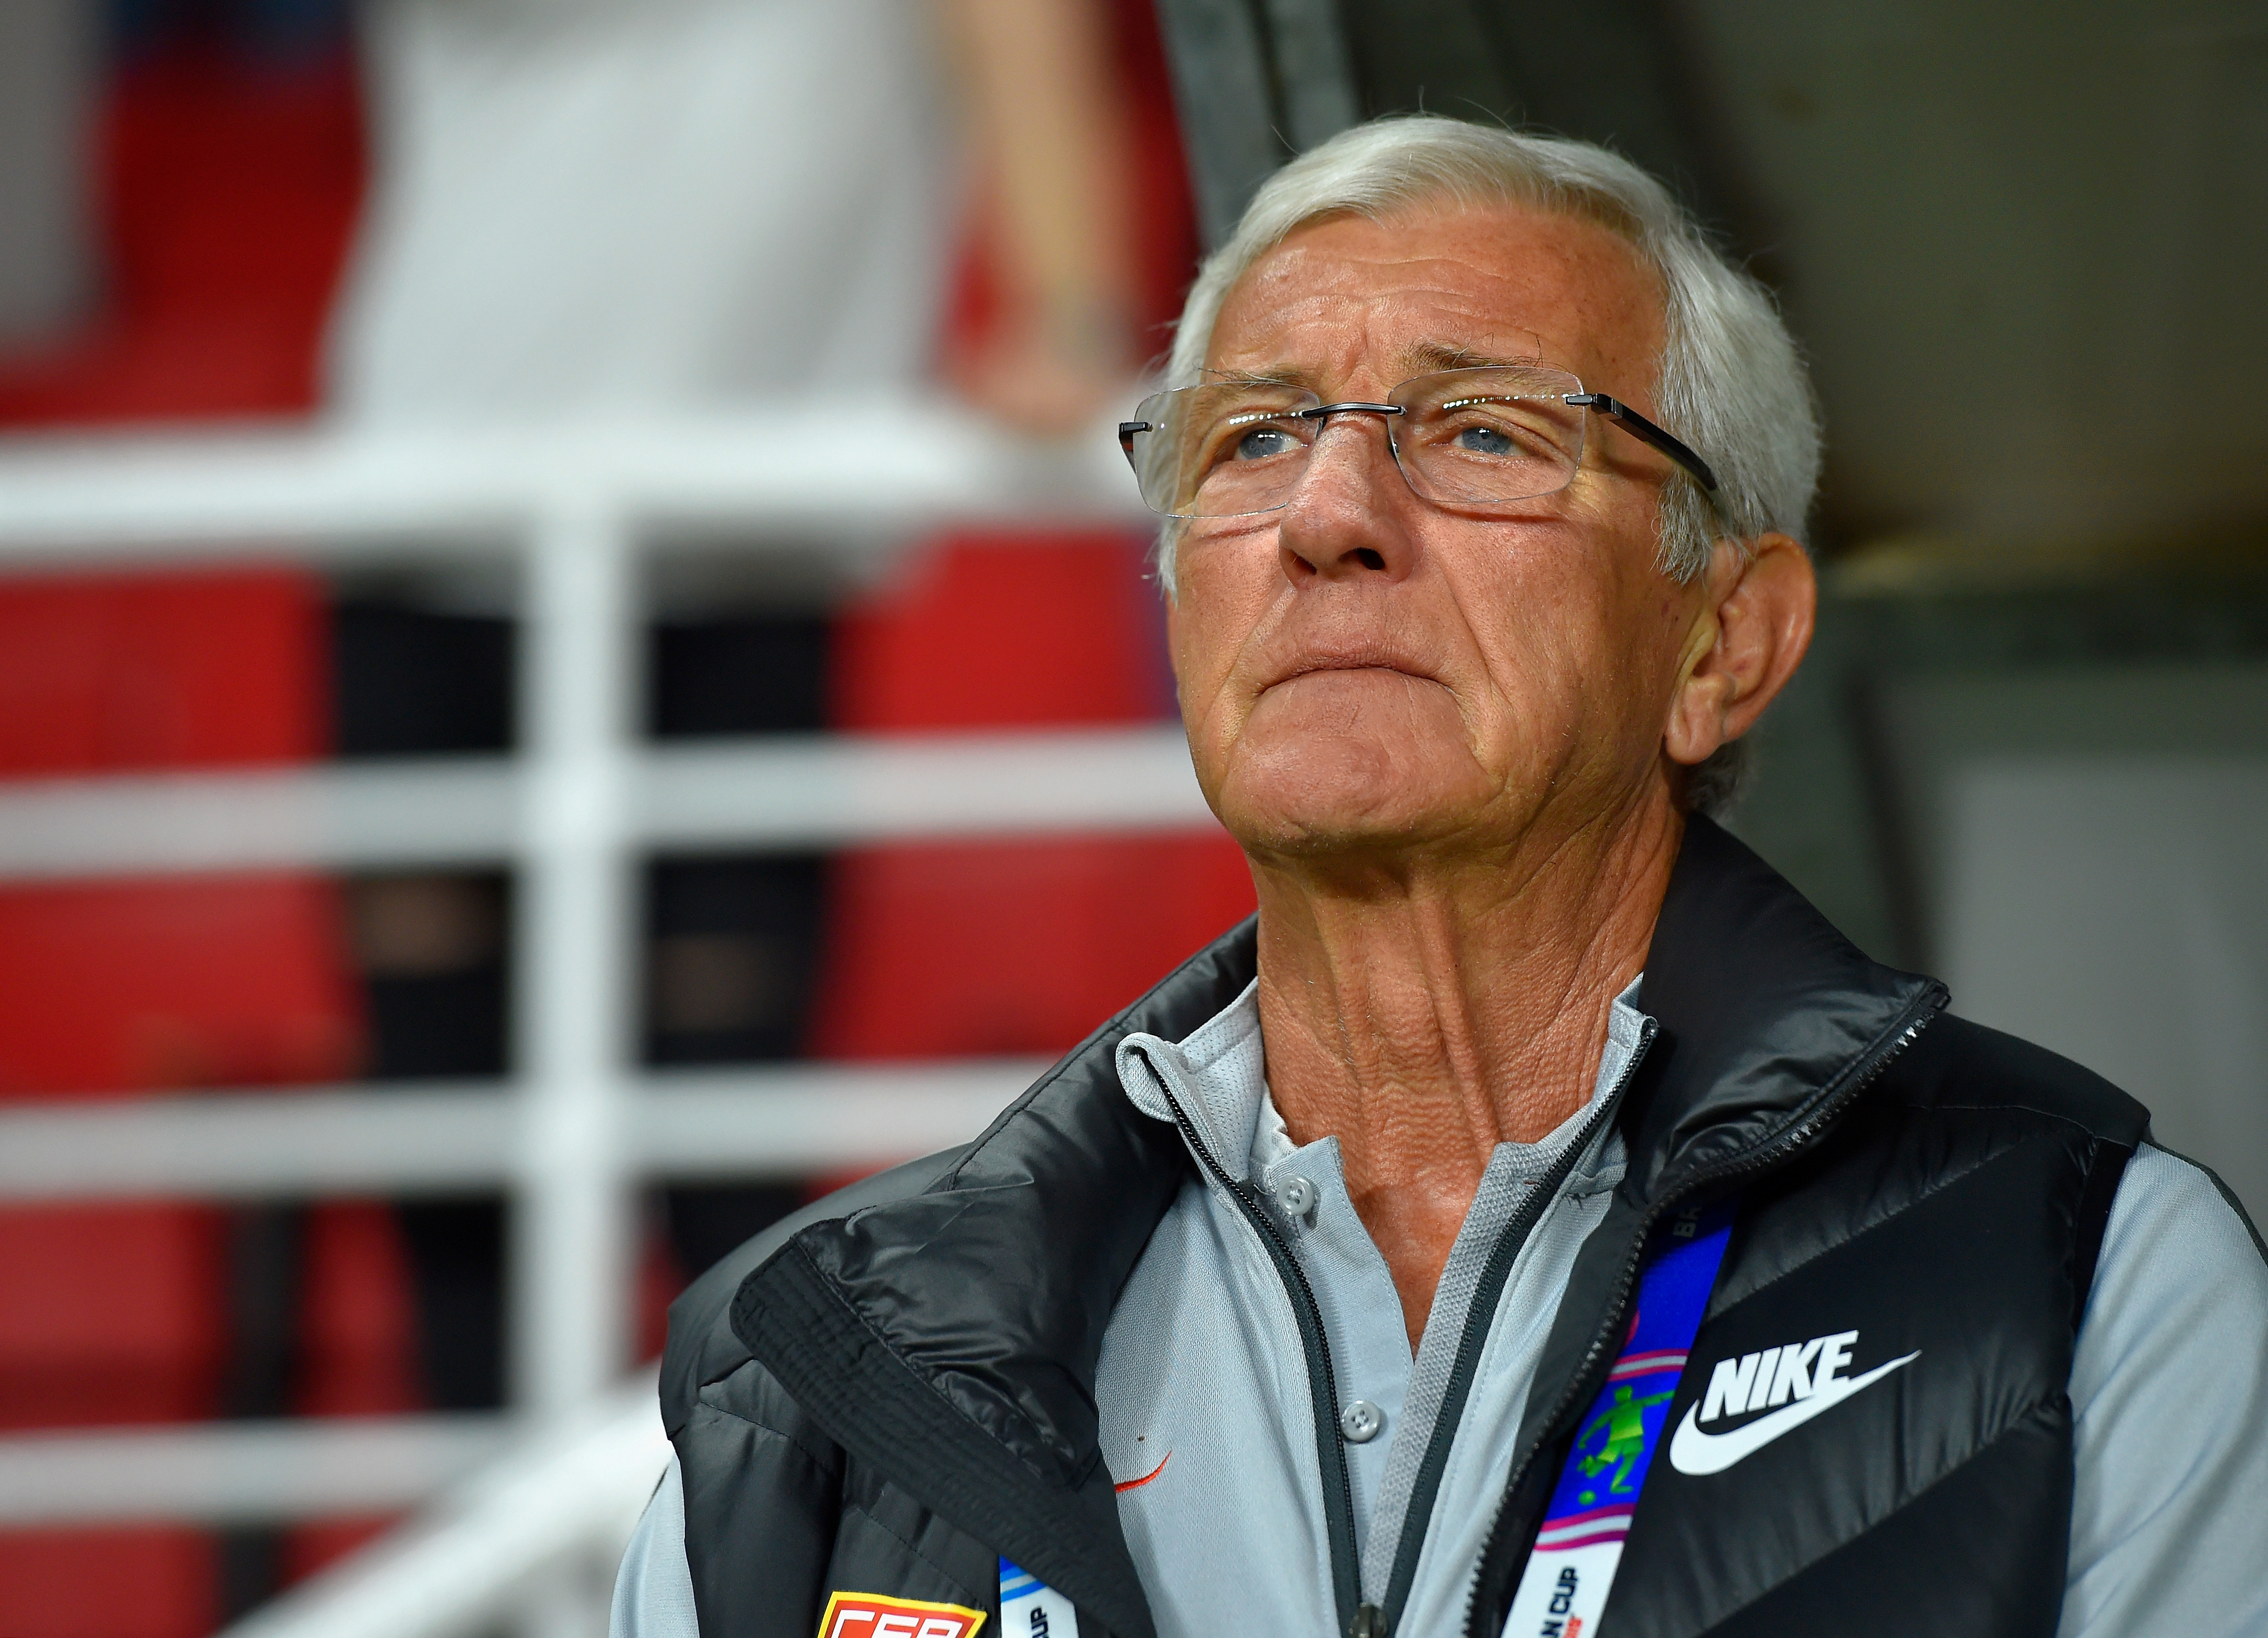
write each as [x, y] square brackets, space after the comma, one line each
[1363, 659]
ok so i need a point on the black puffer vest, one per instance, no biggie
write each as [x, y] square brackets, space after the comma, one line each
[892, 1388]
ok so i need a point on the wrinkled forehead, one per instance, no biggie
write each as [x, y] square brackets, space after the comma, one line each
[1351, 304]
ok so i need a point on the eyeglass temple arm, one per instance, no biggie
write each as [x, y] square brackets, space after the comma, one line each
[1126, 430]
[1639, 427]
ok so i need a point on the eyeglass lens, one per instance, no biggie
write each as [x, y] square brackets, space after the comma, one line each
[1469, 437]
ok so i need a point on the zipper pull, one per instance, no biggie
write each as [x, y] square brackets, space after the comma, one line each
[1369, 1622]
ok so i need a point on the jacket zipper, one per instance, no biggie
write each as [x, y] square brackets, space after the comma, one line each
[1338, 1497]
[1478, 1317]
[1581, 1387]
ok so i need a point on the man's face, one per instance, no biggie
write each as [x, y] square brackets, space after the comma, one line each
[1367, 672]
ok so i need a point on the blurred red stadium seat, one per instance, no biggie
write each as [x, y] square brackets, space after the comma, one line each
[229, 190]
[955, 949]
[1053, 628]
[147, 1581]
[114, 1313]
[1024, 946]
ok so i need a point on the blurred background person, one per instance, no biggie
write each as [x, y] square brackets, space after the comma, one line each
[582, 209]
[587, 212]
[475, 214]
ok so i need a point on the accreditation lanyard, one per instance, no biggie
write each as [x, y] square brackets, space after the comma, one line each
[1029, 1608]
[1579, 1545]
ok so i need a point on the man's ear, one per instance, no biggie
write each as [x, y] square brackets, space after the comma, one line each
[1748, 636]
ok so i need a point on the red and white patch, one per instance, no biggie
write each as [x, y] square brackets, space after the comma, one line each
[871, 1615]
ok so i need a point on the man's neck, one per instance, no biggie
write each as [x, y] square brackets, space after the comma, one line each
[1425, 1015]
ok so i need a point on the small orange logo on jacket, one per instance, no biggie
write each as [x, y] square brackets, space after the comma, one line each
[871, 1615]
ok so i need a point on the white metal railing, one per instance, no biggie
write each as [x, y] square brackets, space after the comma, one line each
[224, 1472]
[784, 792]
[573, 507]
[683, 1124]
[560, 1505]
[818, 478]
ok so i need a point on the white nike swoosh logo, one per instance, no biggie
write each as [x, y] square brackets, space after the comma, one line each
[1693, 1451]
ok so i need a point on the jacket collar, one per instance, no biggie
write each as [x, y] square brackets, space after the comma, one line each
[950, 1338]
[1765, 1014]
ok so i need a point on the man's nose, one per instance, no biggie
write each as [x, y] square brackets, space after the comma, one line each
[1349, 516]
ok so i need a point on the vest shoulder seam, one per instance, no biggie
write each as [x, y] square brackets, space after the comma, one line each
[1937, 1186]
[815, 1458]
[2014, 1107]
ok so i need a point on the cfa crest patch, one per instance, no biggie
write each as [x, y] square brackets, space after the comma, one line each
[871, 1615]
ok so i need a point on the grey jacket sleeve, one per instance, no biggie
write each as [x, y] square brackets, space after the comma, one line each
[653, 1590]
[2170, 1396]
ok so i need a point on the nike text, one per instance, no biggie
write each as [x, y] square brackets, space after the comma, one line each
[1755, 1381]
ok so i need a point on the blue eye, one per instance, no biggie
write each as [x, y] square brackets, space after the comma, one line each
[1484, 440]
[1262, 442]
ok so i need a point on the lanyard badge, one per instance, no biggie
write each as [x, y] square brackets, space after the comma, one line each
[1579, 1545]
[1029, 1608]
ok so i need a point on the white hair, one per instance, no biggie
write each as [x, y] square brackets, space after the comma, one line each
[1732, 383]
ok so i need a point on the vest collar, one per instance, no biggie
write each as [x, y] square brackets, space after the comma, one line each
[1766, 1016]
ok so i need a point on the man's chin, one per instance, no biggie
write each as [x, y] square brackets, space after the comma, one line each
[1313, 817]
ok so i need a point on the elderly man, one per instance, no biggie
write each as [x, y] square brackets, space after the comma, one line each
[1537, 1214]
